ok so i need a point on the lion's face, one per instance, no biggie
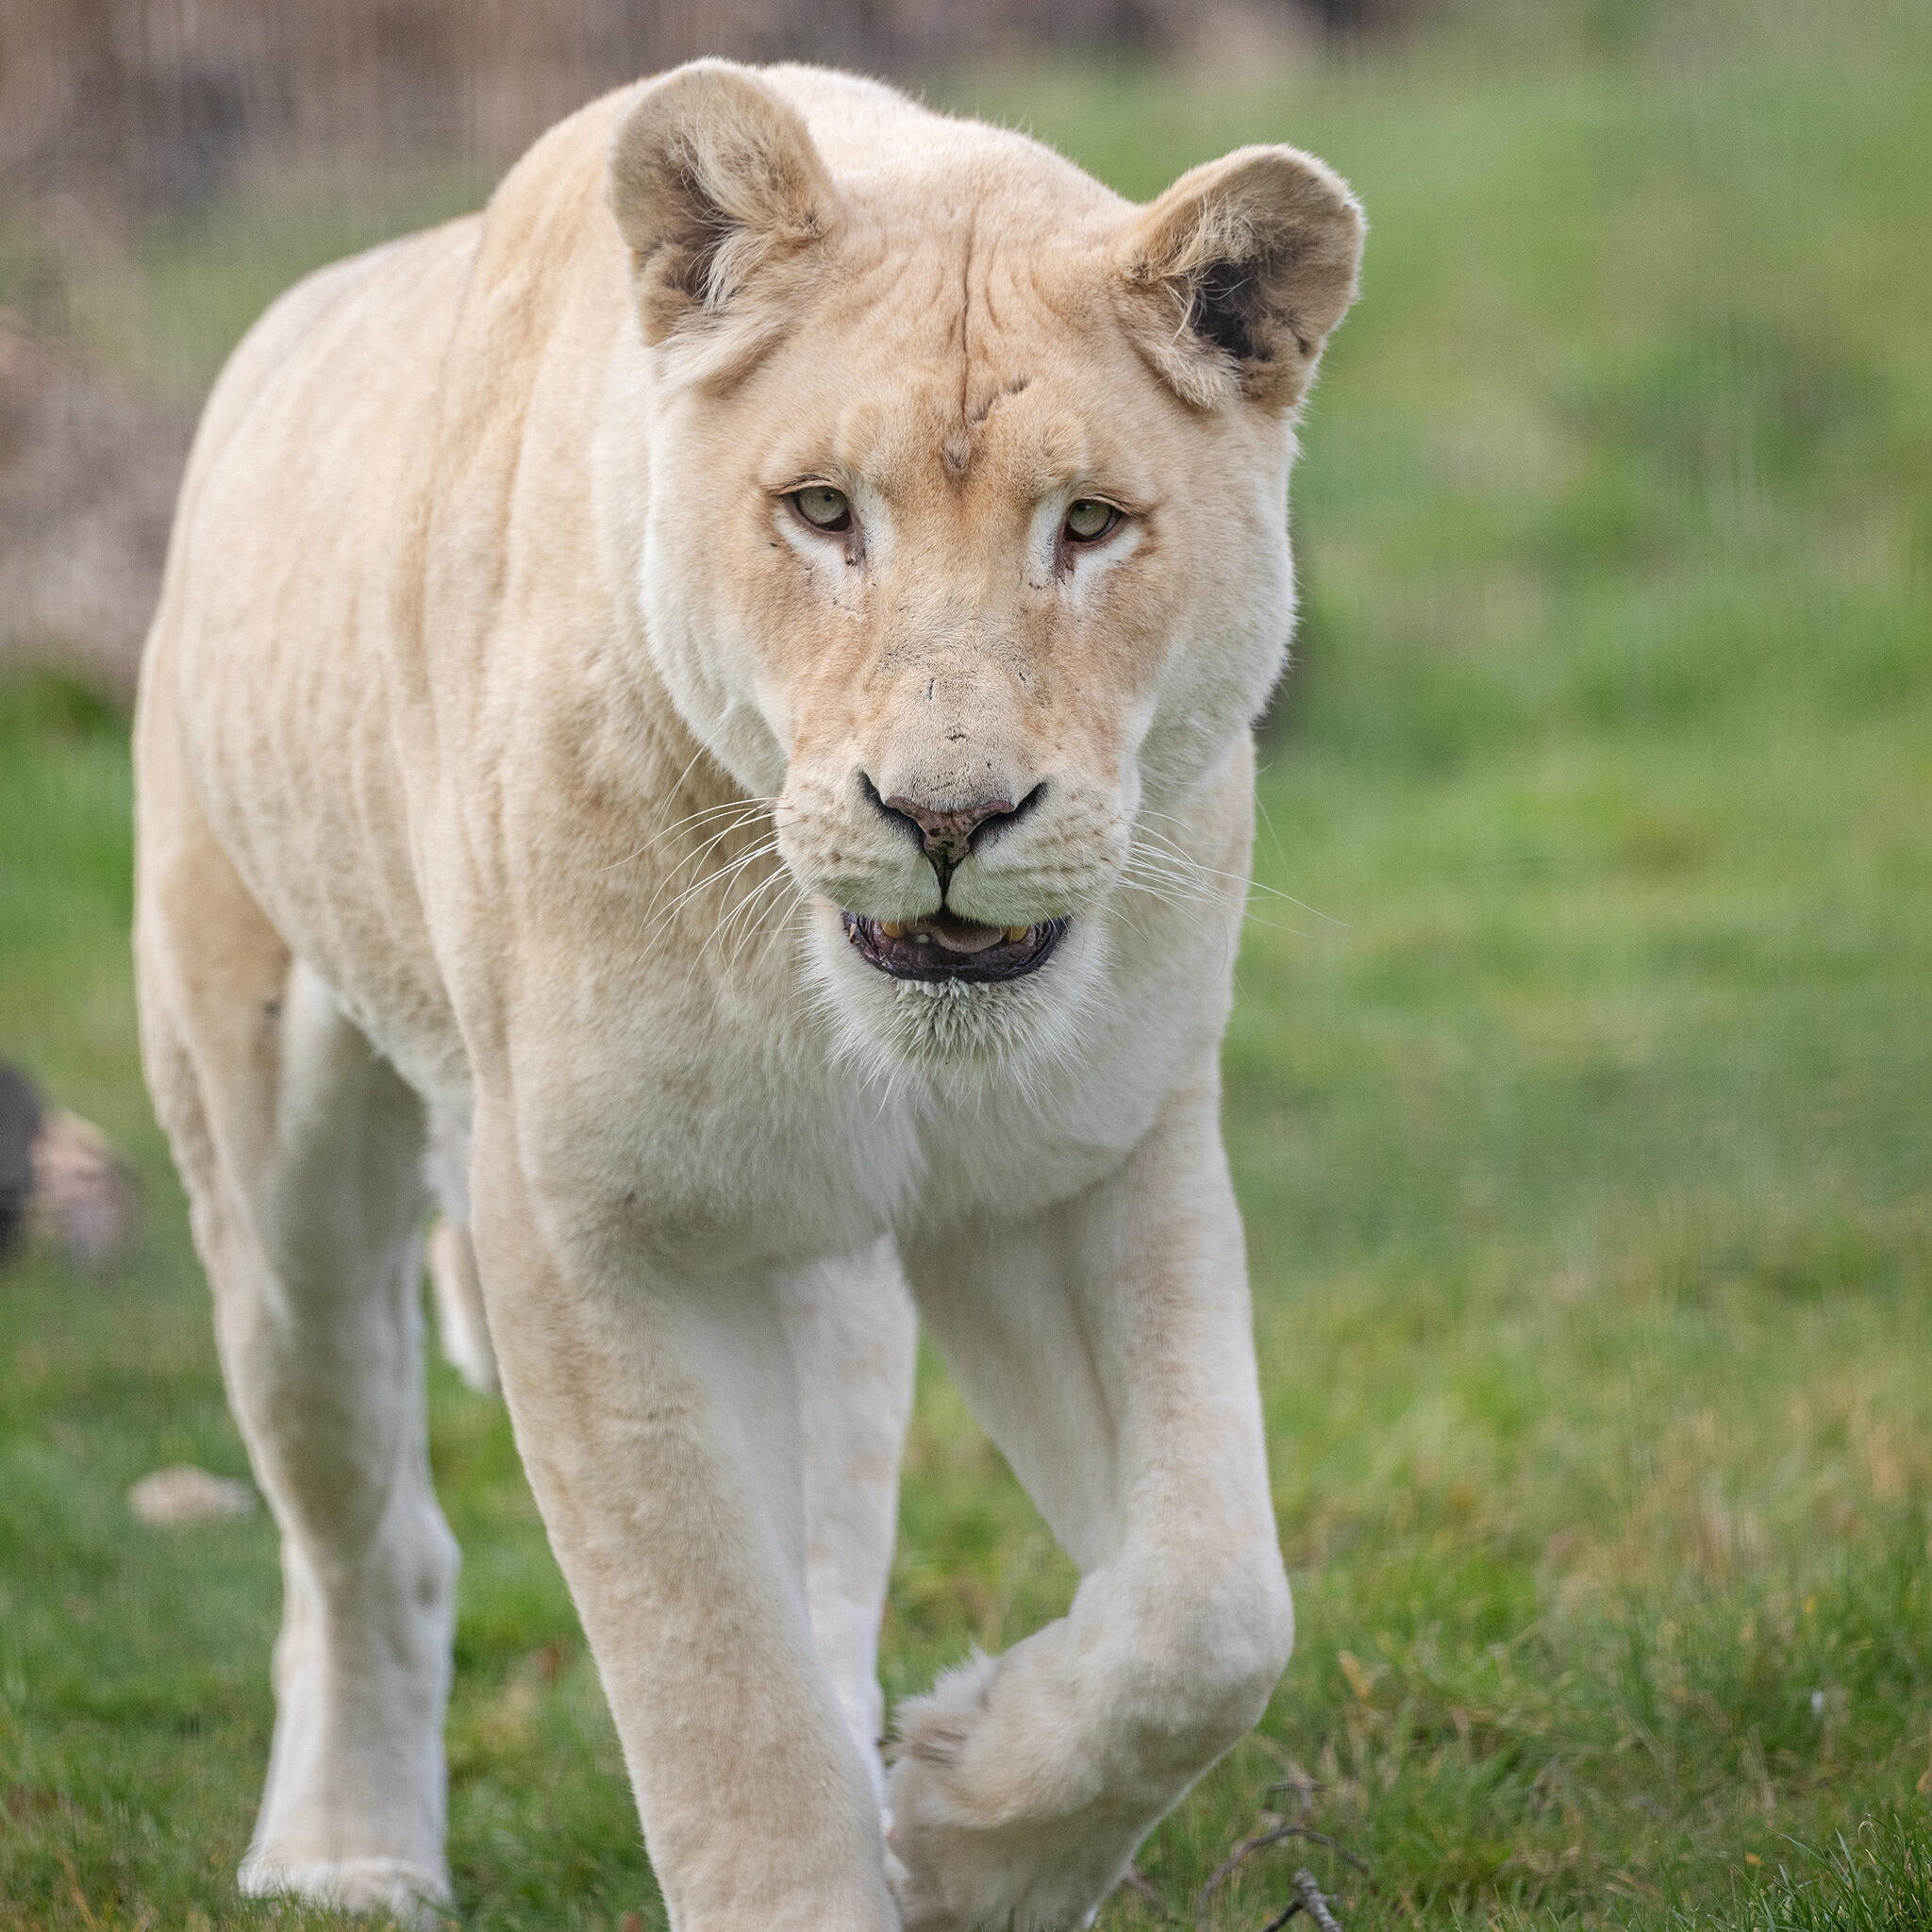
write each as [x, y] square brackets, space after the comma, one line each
[966, 550]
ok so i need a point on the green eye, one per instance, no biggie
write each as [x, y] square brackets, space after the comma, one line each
[1089, 520]
[822, 508]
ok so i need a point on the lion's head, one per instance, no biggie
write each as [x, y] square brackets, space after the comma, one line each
[967, 533]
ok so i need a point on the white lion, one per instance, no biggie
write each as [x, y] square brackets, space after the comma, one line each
[716, 693]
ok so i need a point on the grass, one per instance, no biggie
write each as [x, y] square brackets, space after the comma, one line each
[1584, 1140]
[1879, 1883]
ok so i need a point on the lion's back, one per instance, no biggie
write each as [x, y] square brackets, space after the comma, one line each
[271, 660]
[325, 338]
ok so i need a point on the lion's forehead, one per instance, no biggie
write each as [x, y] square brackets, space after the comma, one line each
[912, 399]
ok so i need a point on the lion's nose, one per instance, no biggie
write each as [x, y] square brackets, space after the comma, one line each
[947, 834]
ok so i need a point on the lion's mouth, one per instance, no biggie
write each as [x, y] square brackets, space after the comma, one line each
[942, 946]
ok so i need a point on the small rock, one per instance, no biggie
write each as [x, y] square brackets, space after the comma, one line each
[62, 1180]
[183, 1494]
[83, 1196]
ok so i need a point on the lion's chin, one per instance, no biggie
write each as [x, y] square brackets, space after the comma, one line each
[943, 948]
[965, 1006]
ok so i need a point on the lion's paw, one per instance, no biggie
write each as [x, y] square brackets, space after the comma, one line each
[971, 1844]
[408, 1893]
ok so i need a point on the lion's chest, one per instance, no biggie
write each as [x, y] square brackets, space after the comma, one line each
[739, 1156]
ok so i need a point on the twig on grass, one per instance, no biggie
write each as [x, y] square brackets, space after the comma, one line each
[1307, 1898]
[1300, 1785]
[1137, 1881]
[1309, 1894]
[1260, 1842]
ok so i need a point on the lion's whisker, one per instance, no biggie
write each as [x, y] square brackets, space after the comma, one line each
[724, 869]
[1251, 883]
[721, 875]
[741, 807]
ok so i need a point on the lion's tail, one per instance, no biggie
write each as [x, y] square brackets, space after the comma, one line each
[459, 1305]
[452, 1259]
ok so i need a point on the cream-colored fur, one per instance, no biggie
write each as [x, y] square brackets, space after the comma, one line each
[509, 744]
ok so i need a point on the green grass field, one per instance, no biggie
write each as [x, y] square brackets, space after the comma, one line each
[1584, 1128]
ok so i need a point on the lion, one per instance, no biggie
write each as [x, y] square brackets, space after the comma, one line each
[699, 720]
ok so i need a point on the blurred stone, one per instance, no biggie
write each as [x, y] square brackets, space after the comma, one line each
[81, 1193]
[183, 1494]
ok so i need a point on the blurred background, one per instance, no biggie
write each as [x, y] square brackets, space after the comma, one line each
[1579, 1087]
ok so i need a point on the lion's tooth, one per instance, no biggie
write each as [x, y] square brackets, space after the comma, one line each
[891, 929]
[1017, 933]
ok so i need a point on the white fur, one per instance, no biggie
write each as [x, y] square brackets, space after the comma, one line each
[503, 768]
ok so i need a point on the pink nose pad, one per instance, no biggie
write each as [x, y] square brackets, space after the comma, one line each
[948, 835]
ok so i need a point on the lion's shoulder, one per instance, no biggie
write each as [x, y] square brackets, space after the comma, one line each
[385, 300]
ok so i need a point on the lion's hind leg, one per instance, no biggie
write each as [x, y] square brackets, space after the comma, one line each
[454, 1286]
[301, 1151]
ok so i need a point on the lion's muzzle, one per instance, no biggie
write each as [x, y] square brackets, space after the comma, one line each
[944, 948]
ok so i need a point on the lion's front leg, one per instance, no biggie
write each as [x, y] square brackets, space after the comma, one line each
[855, 1344]
[1107, 1346]
[658, 1422]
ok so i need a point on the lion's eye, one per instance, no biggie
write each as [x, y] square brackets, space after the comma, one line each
[822, 508]
[1089, 520]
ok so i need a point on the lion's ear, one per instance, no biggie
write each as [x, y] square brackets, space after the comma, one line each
[713, 179]
[1233, 278]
